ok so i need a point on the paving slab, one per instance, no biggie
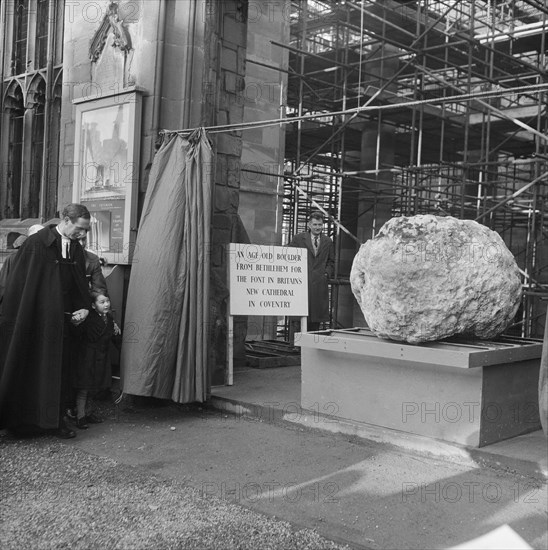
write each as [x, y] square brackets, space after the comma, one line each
[54, 495]
[260, 450]
[363, 493]
[276, 394]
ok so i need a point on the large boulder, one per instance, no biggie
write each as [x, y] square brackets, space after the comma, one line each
[425, 278]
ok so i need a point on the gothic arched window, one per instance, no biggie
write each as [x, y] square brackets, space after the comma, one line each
[41, 41]
[31, 45]
[20, 33]
[15, 111]
[36, 99]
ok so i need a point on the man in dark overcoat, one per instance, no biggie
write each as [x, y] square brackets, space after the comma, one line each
[46, 292]
[321, 263]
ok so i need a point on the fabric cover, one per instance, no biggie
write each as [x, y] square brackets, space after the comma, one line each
[164, 353]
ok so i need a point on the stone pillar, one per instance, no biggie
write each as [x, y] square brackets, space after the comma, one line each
[373, 208]
[263, 96]
[347, 246]
[222, 86]
[365, 211]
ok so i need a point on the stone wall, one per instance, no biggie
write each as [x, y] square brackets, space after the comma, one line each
[223, 83]
[113, 71]
[264, 98]
[188, 59]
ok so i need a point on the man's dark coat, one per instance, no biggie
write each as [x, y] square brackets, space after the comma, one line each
[31, 329]
[320, 268]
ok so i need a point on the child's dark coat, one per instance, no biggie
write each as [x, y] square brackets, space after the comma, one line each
[92, 370]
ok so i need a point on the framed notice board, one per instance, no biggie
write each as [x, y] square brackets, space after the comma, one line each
[265, 280]
[106, 170]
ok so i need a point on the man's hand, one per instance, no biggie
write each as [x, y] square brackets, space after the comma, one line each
[117, 330]
[79, 316]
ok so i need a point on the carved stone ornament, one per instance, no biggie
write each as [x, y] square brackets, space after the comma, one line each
[35, 97]
[13, 100]
[110, 23]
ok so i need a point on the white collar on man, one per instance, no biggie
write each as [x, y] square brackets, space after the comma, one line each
[65, 244]
[62, 236]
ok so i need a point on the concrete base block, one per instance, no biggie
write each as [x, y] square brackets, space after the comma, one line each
[470, 393]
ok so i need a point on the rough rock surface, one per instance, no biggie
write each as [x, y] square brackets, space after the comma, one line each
[426, 278]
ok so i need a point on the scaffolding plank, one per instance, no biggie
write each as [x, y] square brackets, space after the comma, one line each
[263, 354]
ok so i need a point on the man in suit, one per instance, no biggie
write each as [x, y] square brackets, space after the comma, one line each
[321, 263]
[46, 294]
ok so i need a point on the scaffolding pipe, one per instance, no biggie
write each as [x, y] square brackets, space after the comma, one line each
[513, 196]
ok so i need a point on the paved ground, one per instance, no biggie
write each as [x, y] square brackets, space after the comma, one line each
[53, 494]
[190, 475]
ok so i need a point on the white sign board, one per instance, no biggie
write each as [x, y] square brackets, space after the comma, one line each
[268, 280]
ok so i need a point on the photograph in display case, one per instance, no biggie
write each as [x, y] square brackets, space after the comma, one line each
[106, 171]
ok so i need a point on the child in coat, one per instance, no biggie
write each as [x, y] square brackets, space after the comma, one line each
[93, 370]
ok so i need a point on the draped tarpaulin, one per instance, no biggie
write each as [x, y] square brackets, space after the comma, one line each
[166, 321]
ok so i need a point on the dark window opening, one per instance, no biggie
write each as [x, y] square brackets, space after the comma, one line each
[51, 177]
[16, 113]
[20, 22]
[31, 207]
[41, 48]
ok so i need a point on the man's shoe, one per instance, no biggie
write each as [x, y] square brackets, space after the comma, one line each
[64, 432]
[81, 423]
[93, 419]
